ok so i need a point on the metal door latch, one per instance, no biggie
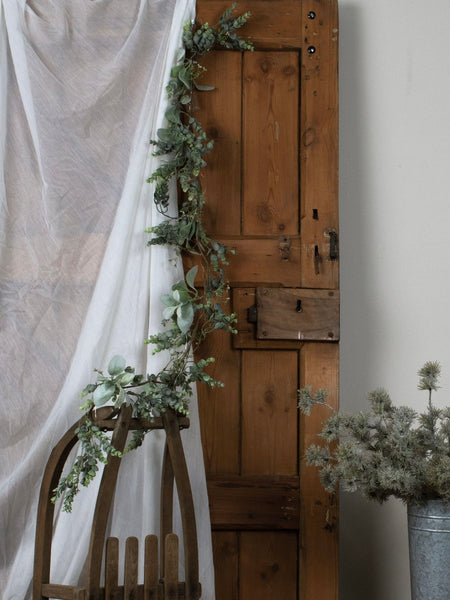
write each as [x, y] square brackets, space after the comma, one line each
[252, 314]
[333, 245]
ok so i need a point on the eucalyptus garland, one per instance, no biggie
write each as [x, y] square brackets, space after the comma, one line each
[190, 312]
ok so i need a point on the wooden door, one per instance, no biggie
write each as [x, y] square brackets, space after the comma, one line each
[271, 186]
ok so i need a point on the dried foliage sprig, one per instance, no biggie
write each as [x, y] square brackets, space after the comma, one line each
[388, 450]
[191, 311]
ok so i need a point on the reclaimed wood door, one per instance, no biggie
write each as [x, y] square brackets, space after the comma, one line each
[271, 186]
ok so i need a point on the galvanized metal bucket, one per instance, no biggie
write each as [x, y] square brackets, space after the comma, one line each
[429, 550]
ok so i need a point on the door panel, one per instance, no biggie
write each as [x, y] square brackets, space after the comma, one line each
[268, 564]
[269, 413]
[270, 133]
[271, 188]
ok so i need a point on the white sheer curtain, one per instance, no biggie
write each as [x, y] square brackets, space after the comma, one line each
[82, 93]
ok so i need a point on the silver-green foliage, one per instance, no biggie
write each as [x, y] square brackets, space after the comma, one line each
[387, 450]
[190, 313]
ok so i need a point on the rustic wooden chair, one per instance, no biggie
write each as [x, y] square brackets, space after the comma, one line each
[160, 576]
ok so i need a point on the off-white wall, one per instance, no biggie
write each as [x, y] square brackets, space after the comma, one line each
[394, 243]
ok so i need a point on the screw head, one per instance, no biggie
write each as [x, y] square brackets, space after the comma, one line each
[311, 50]
[311, 14]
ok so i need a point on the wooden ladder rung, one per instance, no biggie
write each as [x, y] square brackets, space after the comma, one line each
[62, 592]
[171, 567]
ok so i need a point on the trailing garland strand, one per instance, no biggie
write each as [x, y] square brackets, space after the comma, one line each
[190, 313]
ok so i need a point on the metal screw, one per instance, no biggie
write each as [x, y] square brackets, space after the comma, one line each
[311, 50]
[311, 14]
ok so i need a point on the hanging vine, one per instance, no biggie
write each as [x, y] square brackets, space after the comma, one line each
[190, 312]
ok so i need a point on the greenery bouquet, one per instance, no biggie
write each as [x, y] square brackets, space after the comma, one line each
[387, 450]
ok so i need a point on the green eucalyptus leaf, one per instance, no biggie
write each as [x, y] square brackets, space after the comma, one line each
[103, 393]
[116, 365]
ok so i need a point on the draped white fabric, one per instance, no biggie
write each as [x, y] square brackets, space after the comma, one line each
[82, 93]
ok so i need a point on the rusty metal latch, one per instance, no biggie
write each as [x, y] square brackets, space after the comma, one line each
[252, 314]
[333, 245]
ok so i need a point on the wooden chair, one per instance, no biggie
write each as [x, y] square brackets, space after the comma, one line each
[160, 576]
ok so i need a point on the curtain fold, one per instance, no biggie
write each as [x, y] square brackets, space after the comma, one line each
[82, 93]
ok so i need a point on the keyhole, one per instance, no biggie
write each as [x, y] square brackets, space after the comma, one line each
[299, 306]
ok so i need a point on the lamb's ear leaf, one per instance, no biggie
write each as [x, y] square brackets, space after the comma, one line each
[116, 365]
[204, 88]
[169, 311]
[164, 135]
[103, 393]
[185, 77]
[191, 275]
[185, 316]
[172, 115]
[169, 300]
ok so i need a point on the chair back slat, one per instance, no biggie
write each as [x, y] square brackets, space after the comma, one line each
[151, 575]
[111, 567]
[171, 567]
[130, 579]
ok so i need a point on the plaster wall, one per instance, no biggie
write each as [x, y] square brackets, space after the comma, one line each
[394, 243]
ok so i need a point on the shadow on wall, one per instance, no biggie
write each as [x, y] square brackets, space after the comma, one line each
[365, 571]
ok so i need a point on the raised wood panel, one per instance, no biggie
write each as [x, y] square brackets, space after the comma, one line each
[254, 502]
[260, 261]
[223, 217]
[268, 566]
[271, 260]
[219, 408]
[269, 413]
[270, 132]
[263, 29]
[226, 560]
